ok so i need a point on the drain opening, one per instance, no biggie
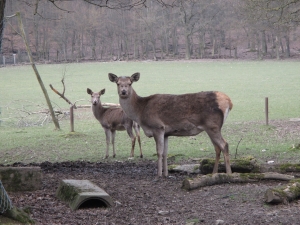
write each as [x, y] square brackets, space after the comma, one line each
[93, 203]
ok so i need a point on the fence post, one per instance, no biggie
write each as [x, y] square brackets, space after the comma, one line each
[267, 110]
[72, 118]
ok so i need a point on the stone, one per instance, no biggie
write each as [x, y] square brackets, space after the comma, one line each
[79, 193]
[21, 178]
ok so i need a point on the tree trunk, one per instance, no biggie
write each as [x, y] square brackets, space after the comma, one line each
[264, 47]
[54, 119]
[213, 48]
[201, 45]
[73, 45]
[259, 50]
[287, 41]
[152, 43]
[187, 46]
[281, 45]
[175, 42]
[2, 8]
[94, 44]
[277, 47]
[162, 47]
[36, 36]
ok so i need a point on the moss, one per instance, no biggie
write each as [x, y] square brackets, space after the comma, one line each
[242, 163]
[172, 167]
[248, 158]
[286, 166]
[296, 190]
[295, 181]
[13, 177]
[246, 176]
[73, 135]
[280, 191]
[67, 193]
[207, 161]
[193, 220]
[19, 215]
[196, 167]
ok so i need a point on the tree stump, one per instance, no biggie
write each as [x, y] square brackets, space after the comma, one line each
[284, 194]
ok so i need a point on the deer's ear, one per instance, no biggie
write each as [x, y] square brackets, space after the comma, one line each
[102, 92]
[112, 77]
[89, 91]
[135, 77]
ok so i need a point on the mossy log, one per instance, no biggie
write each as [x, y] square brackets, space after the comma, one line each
[284, 194]
[248, 166]
[20, 215]
[237, 165]
[221, 178]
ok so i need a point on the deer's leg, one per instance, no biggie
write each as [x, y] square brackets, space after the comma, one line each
[165, 157]
[113, 135]
[132, 137]
[218, 153]
[107, 134]
[220, 145]
[137, 132]
[159, 140]
[227, 158]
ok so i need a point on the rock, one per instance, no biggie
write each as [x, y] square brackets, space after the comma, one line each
[219, 222]
[21, 178]
[163, 213]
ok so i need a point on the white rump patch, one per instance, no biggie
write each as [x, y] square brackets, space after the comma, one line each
[226, 114]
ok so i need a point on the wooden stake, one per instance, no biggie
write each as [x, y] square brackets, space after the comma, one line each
[267, 110]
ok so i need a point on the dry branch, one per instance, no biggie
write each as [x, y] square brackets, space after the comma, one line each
[285, 194]
[221, 178]
[103, 104]
[63, 94]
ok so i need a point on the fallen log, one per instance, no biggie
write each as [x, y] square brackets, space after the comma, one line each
[284, 194]
[221, 178]
[248, 166]
[237, 165]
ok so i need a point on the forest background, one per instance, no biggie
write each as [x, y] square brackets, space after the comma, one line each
[77, 30]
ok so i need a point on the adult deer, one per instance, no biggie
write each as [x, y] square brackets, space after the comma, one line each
[164, 115]
[113, 119]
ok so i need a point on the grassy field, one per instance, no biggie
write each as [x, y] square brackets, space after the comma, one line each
[247, 83]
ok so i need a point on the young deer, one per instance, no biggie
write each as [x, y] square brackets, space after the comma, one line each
[113, 119]
[164, 115]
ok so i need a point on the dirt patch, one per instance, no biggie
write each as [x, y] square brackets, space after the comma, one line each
[140, 198]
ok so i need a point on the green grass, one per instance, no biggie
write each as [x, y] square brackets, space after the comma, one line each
[247, 83]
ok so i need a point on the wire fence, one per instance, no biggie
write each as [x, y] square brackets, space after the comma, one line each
[5, 202]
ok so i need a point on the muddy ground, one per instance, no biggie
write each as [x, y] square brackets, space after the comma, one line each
[139, 198]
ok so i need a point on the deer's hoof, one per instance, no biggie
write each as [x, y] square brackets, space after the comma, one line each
[141, 156]
[114, 156]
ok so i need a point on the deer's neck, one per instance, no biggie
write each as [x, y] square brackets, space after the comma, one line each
[131, 106]
[98, 110]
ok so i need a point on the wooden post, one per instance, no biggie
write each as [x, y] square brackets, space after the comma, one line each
[72, 118]
[267, 110]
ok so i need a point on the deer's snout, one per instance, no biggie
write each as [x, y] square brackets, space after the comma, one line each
[123, 92]
[94, 102]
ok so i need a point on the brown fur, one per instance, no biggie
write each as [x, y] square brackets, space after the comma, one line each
[164, 115]
[113, 119]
